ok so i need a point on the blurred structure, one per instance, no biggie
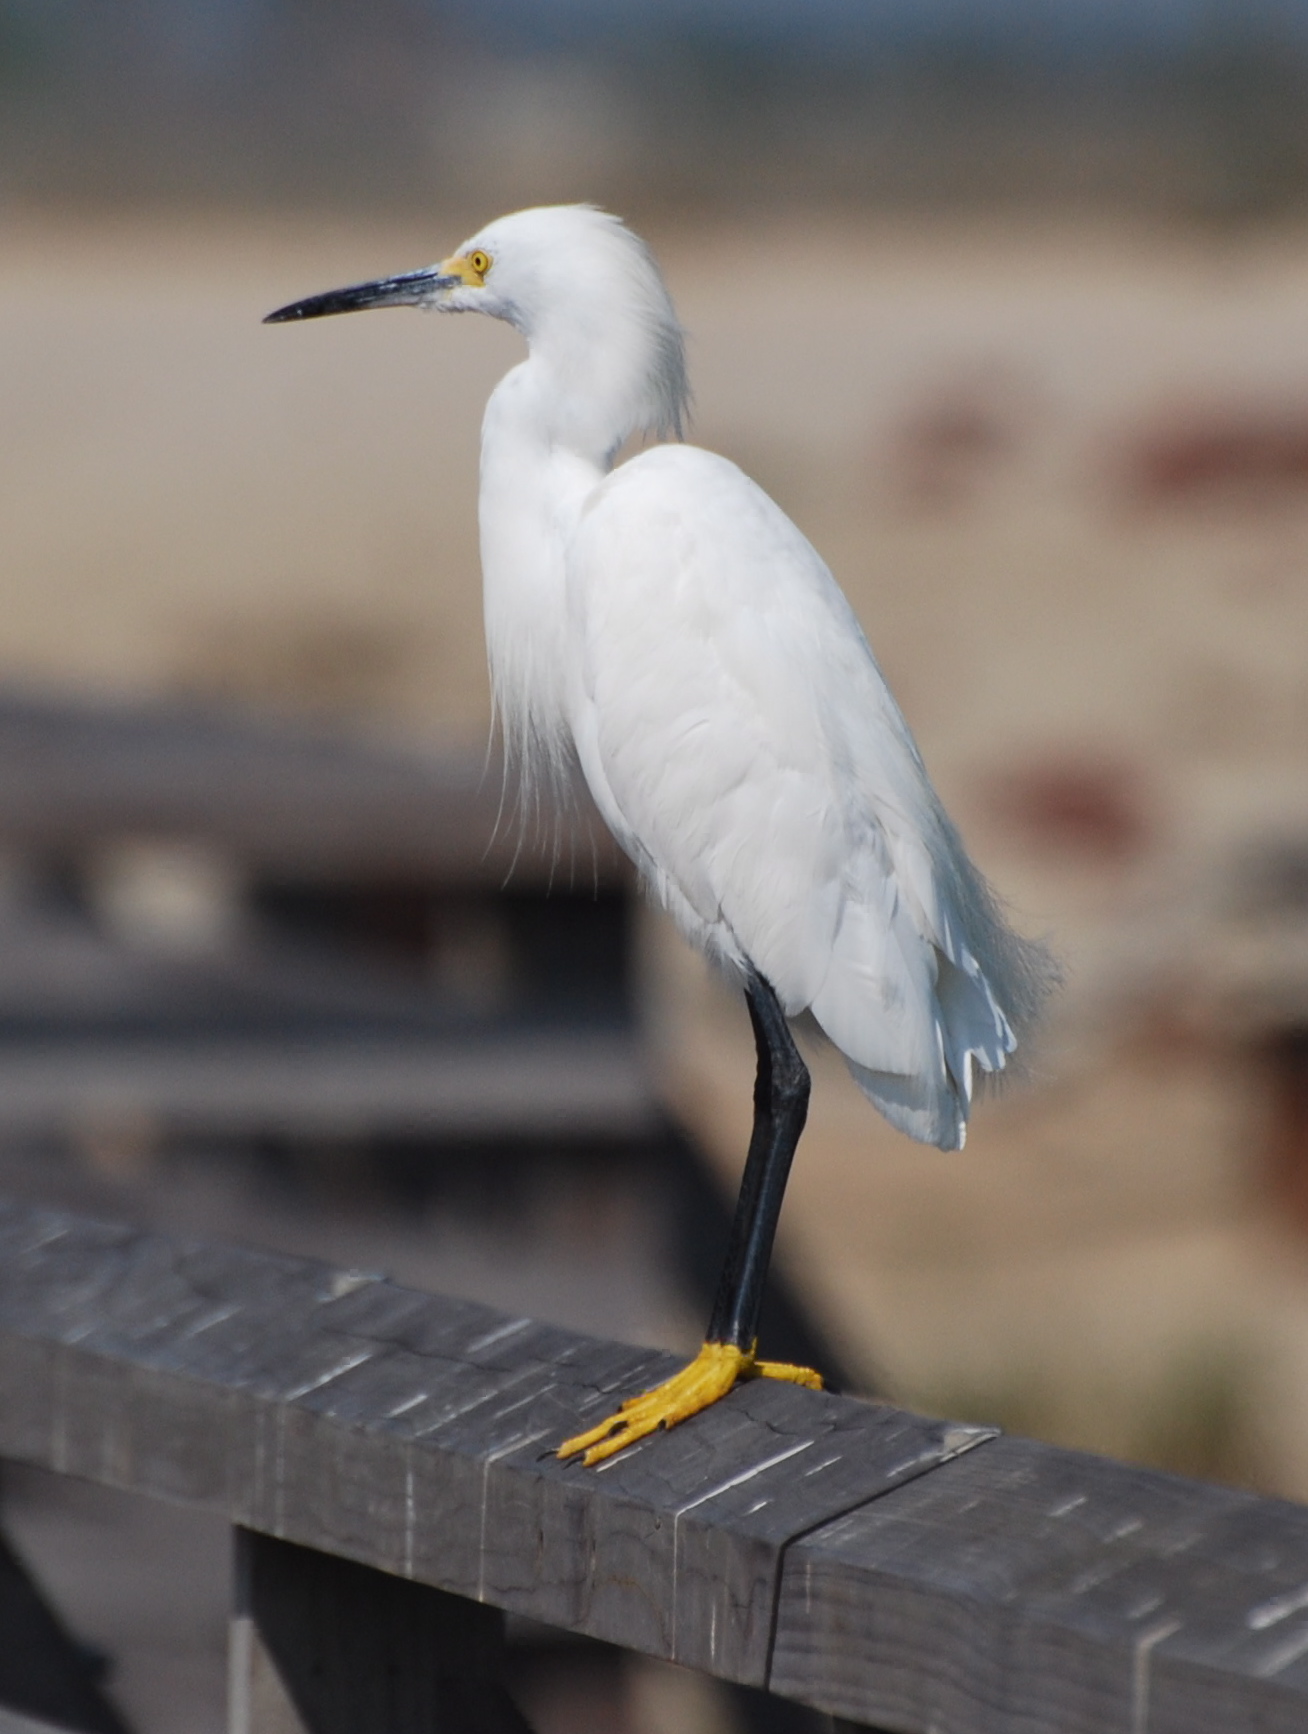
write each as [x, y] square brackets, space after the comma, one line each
[967, 292]
[223, 928]
[1176, 104]
[274, 980]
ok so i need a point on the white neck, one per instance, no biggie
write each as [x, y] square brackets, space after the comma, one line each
[600, 366]
[586, 385]
[538, 466]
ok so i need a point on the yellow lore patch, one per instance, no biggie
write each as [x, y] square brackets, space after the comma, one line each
[469, 268]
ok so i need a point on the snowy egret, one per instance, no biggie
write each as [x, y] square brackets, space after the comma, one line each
[663, 625]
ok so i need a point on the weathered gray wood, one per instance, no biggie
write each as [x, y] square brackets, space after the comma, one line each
[831, 1550]
[502, 1085]
[1051, 1592]
[286, 797]
[320, 1645]
[416, 1434]
[45, 1677]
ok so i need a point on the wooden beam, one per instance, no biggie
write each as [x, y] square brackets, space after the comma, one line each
[1045, 1590]
[415, 1434]
[320, 1645]
[500, 1085]
[891, 1569]
[283, 797]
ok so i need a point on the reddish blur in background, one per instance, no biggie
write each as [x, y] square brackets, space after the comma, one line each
[1008, 307]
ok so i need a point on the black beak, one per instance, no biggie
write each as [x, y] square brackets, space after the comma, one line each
[413, 289]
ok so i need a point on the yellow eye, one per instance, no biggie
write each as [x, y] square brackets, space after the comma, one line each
[480, 262]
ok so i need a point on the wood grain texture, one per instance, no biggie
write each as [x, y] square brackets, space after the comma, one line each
[416, 1434]
[847, 1555]
[1051, 1592]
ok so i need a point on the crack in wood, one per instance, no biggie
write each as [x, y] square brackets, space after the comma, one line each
[880, 1566]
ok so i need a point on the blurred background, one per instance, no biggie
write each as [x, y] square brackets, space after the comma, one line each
[1006, 302]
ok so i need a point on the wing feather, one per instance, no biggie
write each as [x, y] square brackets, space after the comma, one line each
[742, 743]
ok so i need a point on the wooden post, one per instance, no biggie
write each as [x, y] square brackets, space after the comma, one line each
[321, 1645]
[1285, 1071]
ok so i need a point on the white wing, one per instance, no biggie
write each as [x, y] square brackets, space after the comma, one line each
[739, 738]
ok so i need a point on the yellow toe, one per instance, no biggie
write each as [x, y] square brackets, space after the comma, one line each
[713, 1372]
[792, 1375]
[709, 1376]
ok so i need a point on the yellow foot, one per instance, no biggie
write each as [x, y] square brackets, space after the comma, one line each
[715, 1369]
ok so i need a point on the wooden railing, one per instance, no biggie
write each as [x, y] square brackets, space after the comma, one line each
[386, 1457]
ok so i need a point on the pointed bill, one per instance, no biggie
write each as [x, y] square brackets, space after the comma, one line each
[413, 289]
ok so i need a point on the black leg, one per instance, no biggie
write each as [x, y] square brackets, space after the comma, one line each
[781, 1090]
[780, 1105]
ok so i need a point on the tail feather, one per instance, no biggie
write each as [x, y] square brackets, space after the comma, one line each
[927, 1108]
[917, 1014]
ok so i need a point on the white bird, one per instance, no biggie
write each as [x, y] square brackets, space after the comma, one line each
[664, 626]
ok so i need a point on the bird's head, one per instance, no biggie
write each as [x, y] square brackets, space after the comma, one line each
[522, 268]
[569, 277]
